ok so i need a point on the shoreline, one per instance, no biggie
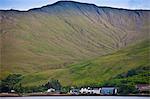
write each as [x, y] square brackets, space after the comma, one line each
[9, 95]
[57, 95]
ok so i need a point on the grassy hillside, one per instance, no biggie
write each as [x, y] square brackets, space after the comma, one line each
[52, 37]
[101, 69]
[139, 75]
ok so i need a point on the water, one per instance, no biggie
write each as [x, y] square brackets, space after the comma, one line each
[76, 97]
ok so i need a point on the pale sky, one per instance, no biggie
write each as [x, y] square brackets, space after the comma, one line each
[28, 4]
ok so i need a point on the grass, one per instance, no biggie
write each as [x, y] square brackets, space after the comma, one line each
[98, 70]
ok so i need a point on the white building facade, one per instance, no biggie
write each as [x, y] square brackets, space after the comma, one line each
[90, 90]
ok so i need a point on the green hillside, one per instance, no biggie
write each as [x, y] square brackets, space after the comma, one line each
[48, 39]
[101, 69]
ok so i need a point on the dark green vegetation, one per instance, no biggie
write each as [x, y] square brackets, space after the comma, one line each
[53, 84]
[12, 82]
[126, 82]
[8, 84]
[78, 44]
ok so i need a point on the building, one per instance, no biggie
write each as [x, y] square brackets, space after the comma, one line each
[83, 90]
[51, 90]
[96, 91]
[86, 90]
[12, 91]
[108, 91]
[90, 90]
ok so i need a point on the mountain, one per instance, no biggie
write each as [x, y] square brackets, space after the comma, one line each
[50, 38]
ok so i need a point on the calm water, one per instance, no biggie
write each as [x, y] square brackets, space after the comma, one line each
[77, 97]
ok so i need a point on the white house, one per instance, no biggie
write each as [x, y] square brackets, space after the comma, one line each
[12, 91]
[90, 90]
[83, 90]
[51, 90]
[96, 90]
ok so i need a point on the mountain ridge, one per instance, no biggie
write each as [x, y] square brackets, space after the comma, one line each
[90, 4]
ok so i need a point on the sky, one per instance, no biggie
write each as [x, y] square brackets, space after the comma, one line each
[28, 4]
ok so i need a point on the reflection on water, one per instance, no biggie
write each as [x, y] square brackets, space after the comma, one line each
[77, 97]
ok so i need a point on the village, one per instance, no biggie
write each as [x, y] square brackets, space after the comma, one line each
[83, 91]
[94, 91]
[108, 91]
[54, 88]
[103, 91]
[88, 91]
[72, 92]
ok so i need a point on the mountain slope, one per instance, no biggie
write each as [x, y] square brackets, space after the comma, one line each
[99, 70]
[51, 37]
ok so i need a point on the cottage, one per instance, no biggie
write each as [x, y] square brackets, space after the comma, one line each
[51, 90]
[90, 90]
[83, 90]
[86, 90]
[96, 91]
[108, 91]
[12, 91]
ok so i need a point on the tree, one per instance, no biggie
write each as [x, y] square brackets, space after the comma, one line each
[9, 82]
[125, 89]
[65, 89]
[53, 84]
